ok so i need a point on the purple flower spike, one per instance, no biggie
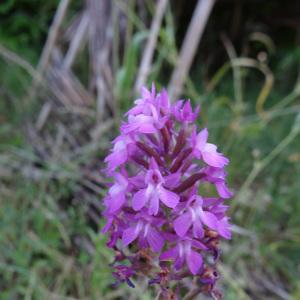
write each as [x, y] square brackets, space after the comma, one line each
[157, 221]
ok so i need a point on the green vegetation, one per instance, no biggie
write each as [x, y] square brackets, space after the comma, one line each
[50, 245]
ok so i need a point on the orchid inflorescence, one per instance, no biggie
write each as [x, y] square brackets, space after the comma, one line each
[159, 224]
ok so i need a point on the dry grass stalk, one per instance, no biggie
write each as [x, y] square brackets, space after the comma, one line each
[99, 14]
[151, 44]
[77, 41]
[189, 47]
[53, 35]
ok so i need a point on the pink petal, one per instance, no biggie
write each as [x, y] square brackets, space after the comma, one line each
[147, 128]
[155, 240]
[115, 159]
[212, 157]
[179, 262]
[198, 229]
[201, 139]
[122, 181]
[224, 228]
[153, 164]
[127, 128]
[172, 180]
[164, 99]
[169, 198]
[145, 93]
[170, 254]
[223, 190]
[209, 220]
[129, 235]
[198, 245]
[139, 199]
[135, 110]
[182, 224]
[194, 262]
[154, 204]
[116, 202]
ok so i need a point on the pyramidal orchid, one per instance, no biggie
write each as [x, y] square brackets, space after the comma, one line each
[159, 223]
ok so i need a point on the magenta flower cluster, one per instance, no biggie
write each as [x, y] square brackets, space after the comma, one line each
[159, 221]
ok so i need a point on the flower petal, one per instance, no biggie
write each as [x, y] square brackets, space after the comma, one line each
[212, 157]
[198, 245]
[182, 224]
[129, 235]
[223, 190]
[179, 262]
[147, 128]
[155, 240]
[169, 198]
[116, 202]
[224, 228]
[198, 229]
[194, 261]
[116, 158]
[209, 220]
[170, 254]
[172, 180]
[154, 204]
[139, 199]
[201, 139]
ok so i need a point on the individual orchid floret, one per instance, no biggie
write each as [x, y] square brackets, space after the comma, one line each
[117, 193]
[154, 192]
[144, 229]
[206, 151]
[185, 251]
[120, 152]
[197, 216]
[217, 177]
[158, 222]
[142, 104]
[183, 111]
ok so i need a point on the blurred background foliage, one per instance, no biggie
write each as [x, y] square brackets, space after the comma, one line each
[21, 27]
[56, 130]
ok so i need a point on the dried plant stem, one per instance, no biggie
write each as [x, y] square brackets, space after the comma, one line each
[237, 76]
[77, 41]
[99, 13]
[190, 44]
[151, 43]
[49, 45]
[53, 33]
[18, 60]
